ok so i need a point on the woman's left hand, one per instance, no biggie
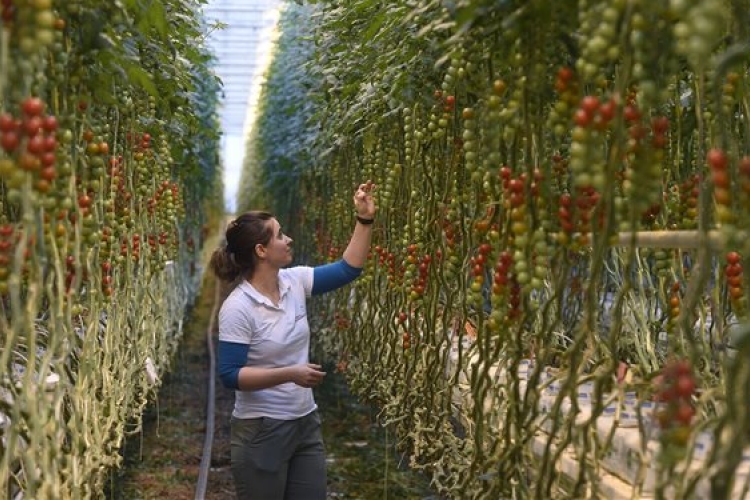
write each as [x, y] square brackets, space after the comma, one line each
[364, 203]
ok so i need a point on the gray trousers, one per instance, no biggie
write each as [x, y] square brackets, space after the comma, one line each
[278, 459]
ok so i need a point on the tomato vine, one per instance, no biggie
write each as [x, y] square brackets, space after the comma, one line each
[108, 175]
[562, 222]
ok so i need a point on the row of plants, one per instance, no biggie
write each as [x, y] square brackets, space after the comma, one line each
[561, 185]
[108, 134]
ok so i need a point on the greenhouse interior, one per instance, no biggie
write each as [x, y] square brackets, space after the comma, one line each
[508, 237]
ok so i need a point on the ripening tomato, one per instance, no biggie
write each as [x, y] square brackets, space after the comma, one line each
[733, 258]
[660, 124]
[734, 281]
[721, 178]
[9, 141]
[32, 125]
[84, 201]
[49, 123]
[679, 436]
[631, 113]
[32, 106]
[745, 165]
[582, 118]
[717, 159]
[685, 386]
[607, 110]
[735, 292]
[722, 196]
[7, 123]
[685, 413]
[733, 270]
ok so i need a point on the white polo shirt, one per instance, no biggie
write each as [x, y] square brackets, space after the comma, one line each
[277, 337]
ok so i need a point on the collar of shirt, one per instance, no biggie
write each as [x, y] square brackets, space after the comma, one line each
[255, 295]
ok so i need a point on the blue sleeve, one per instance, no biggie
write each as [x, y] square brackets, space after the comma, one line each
[232, 357]
[332, 276]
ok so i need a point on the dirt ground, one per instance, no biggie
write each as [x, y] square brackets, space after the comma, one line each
[163, 461]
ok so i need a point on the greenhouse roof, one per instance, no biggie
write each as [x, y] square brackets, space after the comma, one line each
[241, 42]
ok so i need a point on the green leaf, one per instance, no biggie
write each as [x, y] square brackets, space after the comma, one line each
[155, 17]
[138, 76]
[465, 16]
[374, 27]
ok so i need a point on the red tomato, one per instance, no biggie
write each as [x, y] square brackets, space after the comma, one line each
[685, 413]
[733, 258]
[717, 159]
[685, 386]
[32, 106]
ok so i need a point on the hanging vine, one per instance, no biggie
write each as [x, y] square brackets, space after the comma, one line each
[555, 303]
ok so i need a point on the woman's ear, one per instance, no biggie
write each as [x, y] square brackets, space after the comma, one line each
[260, 251]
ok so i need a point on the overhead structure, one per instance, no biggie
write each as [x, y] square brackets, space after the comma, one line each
[241, 41]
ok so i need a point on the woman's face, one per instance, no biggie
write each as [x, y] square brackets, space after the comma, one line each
[279, 248]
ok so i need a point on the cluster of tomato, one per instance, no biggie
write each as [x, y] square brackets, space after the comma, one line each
[138, 142]
[119, 194]
[30, 143]
[674, 304]
[73, 271]
[6, 11]
[568, 90]
[422, 267]
[719, 165]
[592, 112]
[688, 202]
[675, 389]
[34, 23]
[439, 121]
[106, 278]
[406, 338]
[162, 209]
[340, 321]
[452, 235]
[648, 177]
[587, 152]
[388, 260]
[131, 247]
[154, 240]
[6, 254]
[662, 261]
[478, 264]
[575, 214]
[744, 181]
[644, 160]
[650, 214]
[406, 341]
[503, 280]
[734, 274]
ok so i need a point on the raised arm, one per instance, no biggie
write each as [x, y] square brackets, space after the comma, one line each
[359, 245]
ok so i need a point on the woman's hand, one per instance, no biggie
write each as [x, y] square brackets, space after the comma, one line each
[308, 375]
[364, 203]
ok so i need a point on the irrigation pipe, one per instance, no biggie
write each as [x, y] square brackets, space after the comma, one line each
[200, 488]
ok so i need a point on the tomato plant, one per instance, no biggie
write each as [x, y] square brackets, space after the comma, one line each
[581, 167]
[79, 291]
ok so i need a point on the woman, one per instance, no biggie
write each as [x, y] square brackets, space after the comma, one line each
[264, 339]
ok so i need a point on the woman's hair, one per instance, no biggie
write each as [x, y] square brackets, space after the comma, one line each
[237, 257]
